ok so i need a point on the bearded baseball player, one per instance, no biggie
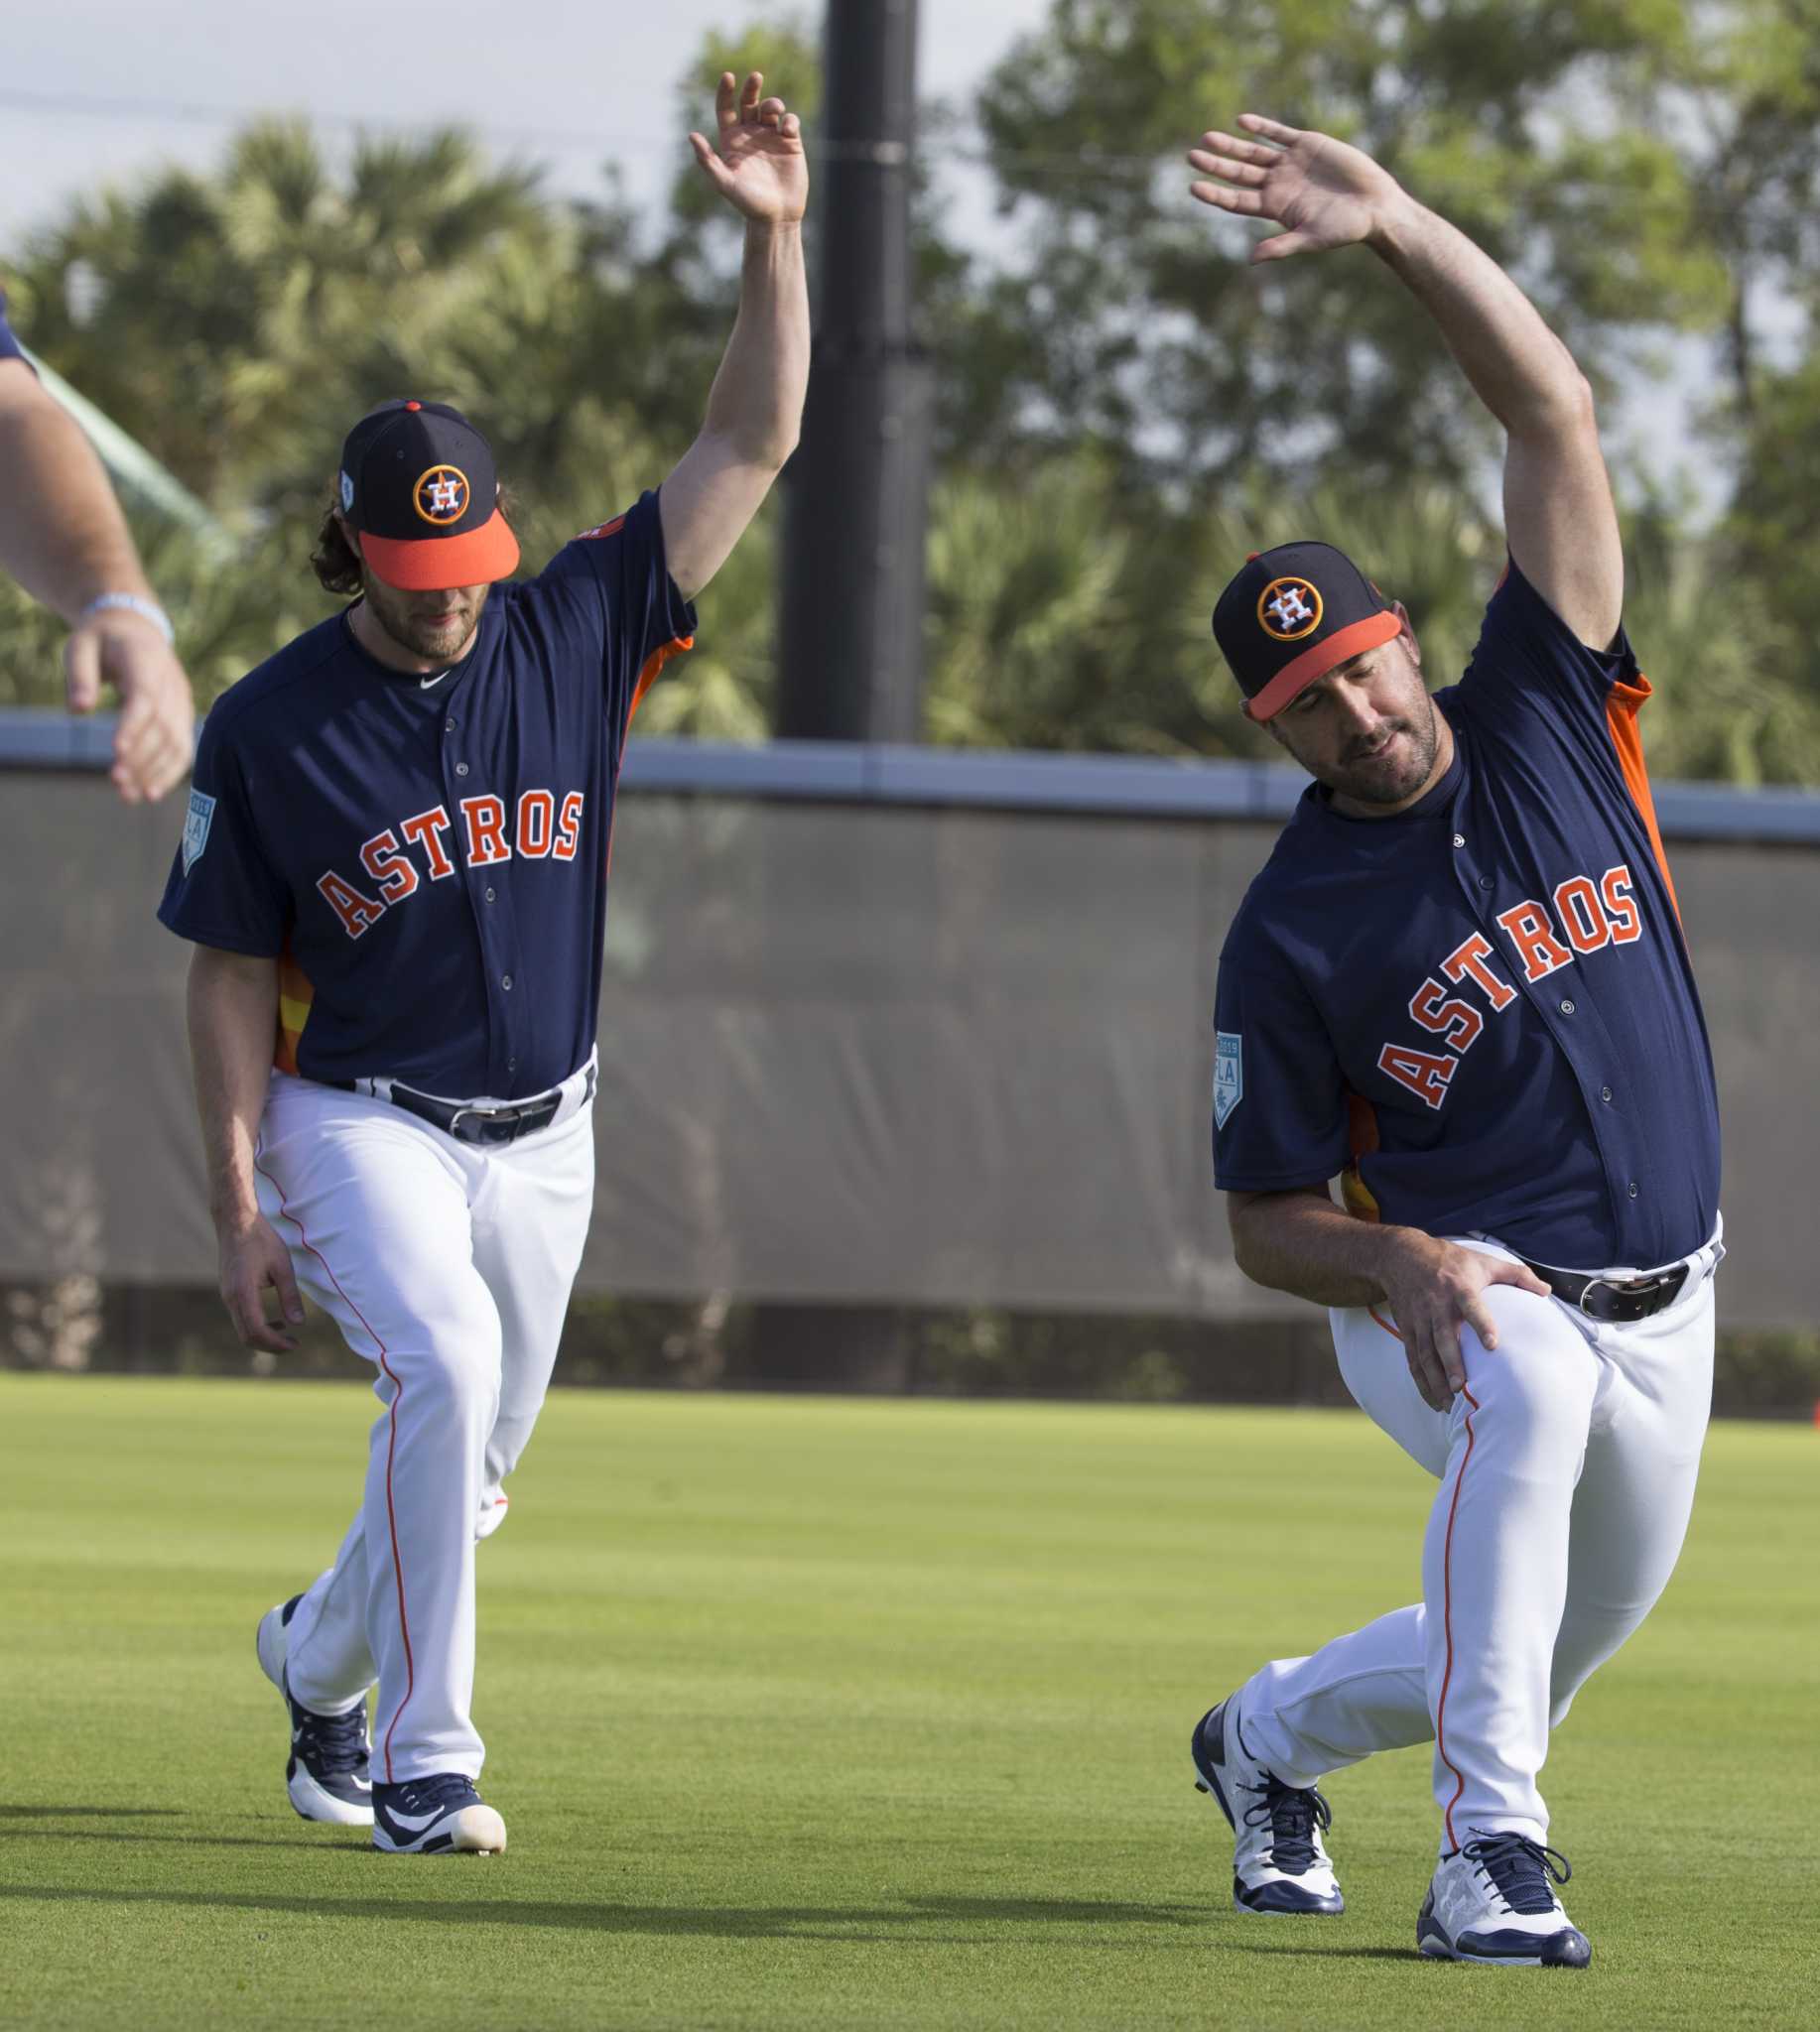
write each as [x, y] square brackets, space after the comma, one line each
[394, 872]
[1460, 985]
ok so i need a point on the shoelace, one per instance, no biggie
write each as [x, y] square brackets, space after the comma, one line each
[1292, 1817]
[420, 1795]
[1518, 1869]
[331, 1745]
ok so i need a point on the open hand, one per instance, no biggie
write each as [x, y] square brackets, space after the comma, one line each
[760, 167]
[1327, 194]
[1433, 1289]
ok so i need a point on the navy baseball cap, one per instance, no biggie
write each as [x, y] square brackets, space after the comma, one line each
[1290, 614]
[418, 482]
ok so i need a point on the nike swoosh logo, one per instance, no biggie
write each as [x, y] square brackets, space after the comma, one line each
[424, 683]
[415, 1823]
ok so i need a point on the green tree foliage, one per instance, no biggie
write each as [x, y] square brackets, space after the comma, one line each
[1649, 172]
[1126, 408]
[237, 323]
[1149, 331]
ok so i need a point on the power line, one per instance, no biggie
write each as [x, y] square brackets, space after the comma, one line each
[193, 113]
[1085, 162]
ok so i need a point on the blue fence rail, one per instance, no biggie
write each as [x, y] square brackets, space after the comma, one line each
[1111, 786]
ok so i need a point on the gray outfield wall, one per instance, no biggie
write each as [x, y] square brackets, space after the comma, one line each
[884, 1026]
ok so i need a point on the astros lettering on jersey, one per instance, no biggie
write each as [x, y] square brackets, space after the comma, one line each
[1548, 982]
[368, 827]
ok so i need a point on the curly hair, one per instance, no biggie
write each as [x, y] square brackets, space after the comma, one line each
[334, 559]
[338, 568]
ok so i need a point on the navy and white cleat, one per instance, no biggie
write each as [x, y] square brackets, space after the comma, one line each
[439, 1815]
[1494, 1900]
[1279, 1862]
[329, 1767]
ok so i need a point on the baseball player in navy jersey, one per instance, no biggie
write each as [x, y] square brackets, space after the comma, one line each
[1460, 986]
[394, 872]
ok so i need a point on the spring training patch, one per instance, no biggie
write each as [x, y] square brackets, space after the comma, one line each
[1228, 1074]
[196, 828]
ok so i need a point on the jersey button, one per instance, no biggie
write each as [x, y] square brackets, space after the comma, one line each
[1631, 1188]
[505, 981]
[1567, 1006]
[1485, 881]
[1459, 839]
[449, 726]
[489, 896]
[1604, 1093]
[461, 768]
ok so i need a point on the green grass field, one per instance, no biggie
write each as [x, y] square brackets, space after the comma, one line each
[812, 1713]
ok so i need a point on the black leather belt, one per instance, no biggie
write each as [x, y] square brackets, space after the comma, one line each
[502, 1125]
[1615, 1301]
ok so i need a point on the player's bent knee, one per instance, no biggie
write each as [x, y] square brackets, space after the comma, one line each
[457, 1355]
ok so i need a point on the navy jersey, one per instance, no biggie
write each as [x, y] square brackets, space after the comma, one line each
[1480, 1012]
[427, 856]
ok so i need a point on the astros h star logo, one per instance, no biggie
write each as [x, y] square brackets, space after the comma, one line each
[441, 495]
[1290, 608]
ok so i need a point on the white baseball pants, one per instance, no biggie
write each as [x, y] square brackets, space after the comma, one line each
[1567, 1469]
[448, 1266]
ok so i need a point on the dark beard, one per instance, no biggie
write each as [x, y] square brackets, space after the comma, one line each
[404, 631]
[1370, 787]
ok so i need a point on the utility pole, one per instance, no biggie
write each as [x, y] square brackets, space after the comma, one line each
[851, 592]
[851, 662]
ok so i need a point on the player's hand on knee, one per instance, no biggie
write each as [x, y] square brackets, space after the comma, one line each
[253, 1262]
[1434, 1289]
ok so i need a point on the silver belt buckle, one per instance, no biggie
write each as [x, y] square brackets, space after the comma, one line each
[1638, 1286]
[1580, 1301]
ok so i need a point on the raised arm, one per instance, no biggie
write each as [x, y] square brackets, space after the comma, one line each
[1559, 520]
[63, 538]
[755, 407]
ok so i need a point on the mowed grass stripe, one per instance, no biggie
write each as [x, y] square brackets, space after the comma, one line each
[812, 1713]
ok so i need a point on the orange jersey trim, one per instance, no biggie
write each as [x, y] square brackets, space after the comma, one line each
[654, 662]
[646, 679]
[295, 995]
[1362, 1140]
[1620, 719]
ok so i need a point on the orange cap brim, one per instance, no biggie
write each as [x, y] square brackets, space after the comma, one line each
[434, 563]
[1352, 640]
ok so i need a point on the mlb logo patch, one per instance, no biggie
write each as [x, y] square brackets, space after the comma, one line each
[1228, 1074]
[196, 828]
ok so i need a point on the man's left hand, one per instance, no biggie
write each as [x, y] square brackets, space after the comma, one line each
[760, 167]
[1326, 193]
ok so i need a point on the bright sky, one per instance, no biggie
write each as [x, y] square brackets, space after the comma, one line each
[563, 83]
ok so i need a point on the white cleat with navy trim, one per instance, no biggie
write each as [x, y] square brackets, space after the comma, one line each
[439, 1815]
[1494, 1900]
[1279, 1862]
[327, 1772]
